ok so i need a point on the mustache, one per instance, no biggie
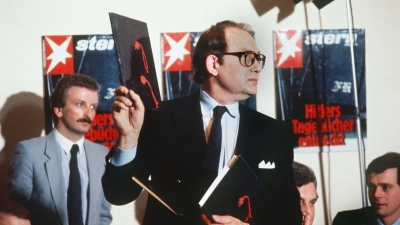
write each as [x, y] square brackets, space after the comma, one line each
[85, 120]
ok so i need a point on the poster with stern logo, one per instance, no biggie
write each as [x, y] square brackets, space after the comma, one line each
[315, 88]
[176, 58]
[91, 55]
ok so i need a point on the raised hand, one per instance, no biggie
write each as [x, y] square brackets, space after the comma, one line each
[128, 117]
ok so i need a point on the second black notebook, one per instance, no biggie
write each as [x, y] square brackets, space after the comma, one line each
[237, 192]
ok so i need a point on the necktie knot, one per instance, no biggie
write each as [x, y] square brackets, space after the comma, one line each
[74, 149]
[219, 111]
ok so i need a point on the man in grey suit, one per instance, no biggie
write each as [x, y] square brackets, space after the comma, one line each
[39, 173]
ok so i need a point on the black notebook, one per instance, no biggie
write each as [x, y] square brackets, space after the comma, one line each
[237, 192]
[135, 58]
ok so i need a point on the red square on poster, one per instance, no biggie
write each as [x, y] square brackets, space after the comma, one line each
[289, 52]
[58, 53]
[177, 52]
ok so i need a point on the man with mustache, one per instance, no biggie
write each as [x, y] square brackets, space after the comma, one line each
[383, 183]
[57, 177]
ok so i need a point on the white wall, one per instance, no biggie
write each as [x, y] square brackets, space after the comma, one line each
[24, 22]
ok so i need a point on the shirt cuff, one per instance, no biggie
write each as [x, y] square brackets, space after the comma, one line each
[122, 157]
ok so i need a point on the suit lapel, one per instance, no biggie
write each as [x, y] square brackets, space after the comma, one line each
[248, 141]
[244, 133]
[93, 165]
[56, 177]
[190, 126]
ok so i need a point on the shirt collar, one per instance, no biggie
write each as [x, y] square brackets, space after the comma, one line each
[395, 223]
[65, 143]
[207, 104]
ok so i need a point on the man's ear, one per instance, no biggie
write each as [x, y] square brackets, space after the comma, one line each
[58, 111]
[212, 64]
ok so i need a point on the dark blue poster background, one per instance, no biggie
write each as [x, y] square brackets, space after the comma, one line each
[315, 88]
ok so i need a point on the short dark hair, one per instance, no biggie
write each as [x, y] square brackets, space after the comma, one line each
[59, 95]
[303, 175]
[384, 162]
[212, 42]
[8, 207]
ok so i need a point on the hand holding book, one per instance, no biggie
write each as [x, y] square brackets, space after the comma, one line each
[218, 219]
[128, 115]
[237, 192]
[236, 196]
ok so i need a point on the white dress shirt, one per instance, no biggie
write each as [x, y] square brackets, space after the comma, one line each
[229, 125]
[65, 150]
[379, 222]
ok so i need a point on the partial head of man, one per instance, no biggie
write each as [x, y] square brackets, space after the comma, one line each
[306, 183]
[383, 183]
[227, 62]
[74, 102]
[12, 213]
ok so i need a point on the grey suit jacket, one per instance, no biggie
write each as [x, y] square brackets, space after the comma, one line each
[35, 180]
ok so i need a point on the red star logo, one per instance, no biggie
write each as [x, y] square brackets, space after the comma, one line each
[288, 47]
[58, 55]
[177, 52]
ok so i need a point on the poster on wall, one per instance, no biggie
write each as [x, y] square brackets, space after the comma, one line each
[176, 58]
[315, 88]
[91, 55]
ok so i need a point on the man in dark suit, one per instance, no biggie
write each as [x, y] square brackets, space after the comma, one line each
[383, 183]
[39, 173]
[174, 142]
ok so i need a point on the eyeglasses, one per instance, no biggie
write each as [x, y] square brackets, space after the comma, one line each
[249, 58]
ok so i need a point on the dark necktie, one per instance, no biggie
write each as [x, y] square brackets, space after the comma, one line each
[74, 202]
[213, 149]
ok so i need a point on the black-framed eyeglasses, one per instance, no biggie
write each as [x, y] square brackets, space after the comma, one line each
[248, 58]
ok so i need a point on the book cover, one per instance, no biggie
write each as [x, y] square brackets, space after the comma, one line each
[92, 55]
[237, 192]
[135, 58]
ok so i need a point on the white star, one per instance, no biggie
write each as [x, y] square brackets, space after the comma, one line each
[289, 47]
[59, 53]
[177, 50]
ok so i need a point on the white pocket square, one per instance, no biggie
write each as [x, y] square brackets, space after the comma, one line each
[269, 165]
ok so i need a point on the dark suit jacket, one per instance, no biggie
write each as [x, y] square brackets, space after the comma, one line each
[36, 180]
[171, 147]
[363, 216]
